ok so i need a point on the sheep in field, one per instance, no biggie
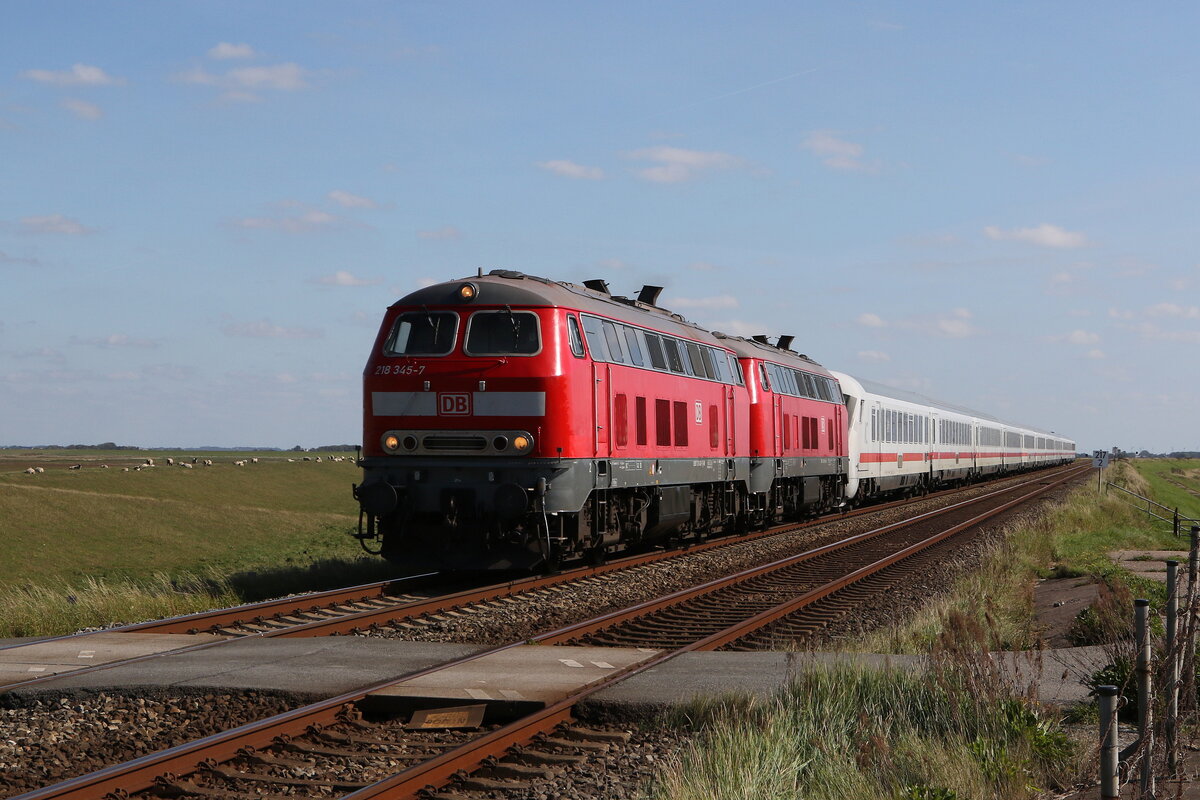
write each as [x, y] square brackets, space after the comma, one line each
[31, 471]
[170, 461]
[41, 469]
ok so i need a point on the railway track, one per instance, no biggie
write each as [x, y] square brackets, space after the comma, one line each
[333, 748]
[380, 607]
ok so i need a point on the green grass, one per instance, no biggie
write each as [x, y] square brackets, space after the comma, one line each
[1163, 477]
[168, 537]
[851, 731]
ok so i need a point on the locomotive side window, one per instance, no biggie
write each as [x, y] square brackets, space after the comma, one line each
[762, 376]
[595, 338]
[674, 360]
[575, 336]
[615, 351]
[714, 437]
[654, 346]
[503, 333]
[720, 364]
[420, 333]
[737, 369]
[699, 368]
[635, 349]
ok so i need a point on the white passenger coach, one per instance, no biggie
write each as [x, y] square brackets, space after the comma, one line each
[905, 442]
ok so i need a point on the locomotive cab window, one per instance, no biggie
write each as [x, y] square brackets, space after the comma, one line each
[503, 333]
[575, 336]
[422, 333]
[762, 375]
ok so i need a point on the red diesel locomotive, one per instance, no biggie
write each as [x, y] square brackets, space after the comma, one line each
[512, 421]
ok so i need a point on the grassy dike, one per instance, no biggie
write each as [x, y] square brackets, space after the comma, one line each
[851, 731]
[93, 546]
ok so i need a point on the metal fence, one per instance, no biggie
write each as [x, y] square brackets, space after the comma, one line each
[1157, 743]
[1147, 505]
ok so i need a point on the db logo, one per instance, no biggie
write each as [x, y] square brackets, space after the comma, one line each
[454, 405]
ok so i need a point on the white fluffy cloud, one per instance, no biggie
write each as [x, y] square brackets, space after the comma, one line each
[82, 108]
[78, 75]
[676, 164]
[446, 233]
[114, 340]
[1077, 336]
[569, 169]
[347, 200]
[873, 356]
[1044, 235]
[869, 320]
[344, 278]
[308, 221]
[225, 51]
[56, 224]
[837, 153]
[244, 83]
[1173, 310]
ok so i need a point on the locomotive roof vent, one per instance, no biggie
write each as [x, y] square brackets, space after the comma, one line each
[760, 338]
[785, 342]
[597, 285]
[649, 294]
[508, 274]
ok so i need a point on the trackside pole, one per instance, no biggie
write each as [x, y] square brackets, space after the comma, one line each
[1173, 651]
[1141, 612]
[1110, 788]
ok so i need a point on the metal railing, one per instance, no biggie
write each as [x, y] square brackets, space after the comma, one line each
[1175, 518]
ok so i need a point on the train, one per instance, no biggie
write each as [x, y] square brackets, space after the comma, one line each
[513, 422]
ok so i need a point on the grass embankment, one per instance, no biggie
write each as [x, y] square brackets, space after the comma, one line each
[866, 733]
[92, 546]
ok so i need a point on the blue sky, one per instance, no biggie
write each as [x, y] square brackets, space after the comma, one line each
[207, 207]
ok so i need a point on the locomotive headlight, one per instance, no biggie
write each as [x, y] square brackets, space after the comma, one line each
[522, 443]
[468, 292]
[391, 443]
